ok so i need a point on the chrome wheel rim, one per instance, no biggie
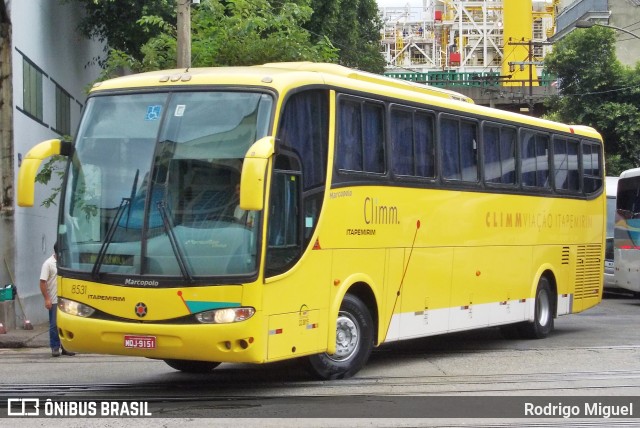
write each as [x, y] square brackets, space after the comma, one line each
[347, 337]
[544, 308]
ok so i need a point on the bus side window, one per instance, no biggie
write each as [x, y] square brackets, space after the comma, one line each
[535, 159]
[591, 167]
[284, 233]
[360, 137]
[499, 154]
[412, 143]
[450, 153]
[565, 164]
[458, 139]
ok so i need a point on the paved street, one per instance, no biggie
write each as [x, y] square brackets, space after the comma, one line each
[596, 353]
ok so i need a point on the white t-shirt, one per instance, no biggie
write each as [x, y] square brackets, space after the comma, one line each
[49, 273]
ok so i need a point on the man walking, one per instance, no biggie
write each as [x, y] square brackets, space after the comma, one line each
[49, 289]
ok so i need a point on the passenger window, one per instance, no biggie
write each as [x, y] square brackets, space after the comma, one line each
[412, 143]
[499, 154]
[361, 137]
[373, 132]
[591, 164]
[535, 159]
[424, 147]
[402, 142]
[565, 164]
[459, 150]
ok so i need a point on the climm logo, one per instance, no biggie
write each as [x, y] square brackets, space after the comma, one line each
[376, 213]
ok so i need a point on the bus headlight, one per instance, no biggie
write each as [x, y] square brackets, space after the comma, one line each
[72, 307]
[225, 316]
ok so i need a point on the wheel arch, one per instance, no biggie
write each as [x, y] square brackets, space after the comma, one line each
[365, 293]
[361, 288]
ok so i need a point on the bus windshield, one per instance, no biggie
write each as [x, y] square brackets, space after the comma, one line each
[152, 187]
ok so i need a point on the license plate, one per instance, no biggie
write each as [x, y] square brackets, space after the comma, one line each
[140, 342]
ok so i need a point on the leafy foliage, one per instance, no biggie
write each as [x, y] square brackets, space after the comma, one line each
[353, 26]
[141, 36]
[231, 32]
[595, 89]
[113, 22]
[53, 167]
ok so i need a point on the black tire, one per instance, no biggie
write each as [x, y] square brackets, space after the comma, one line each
[354, 342]
[542, 323]
[189, 366]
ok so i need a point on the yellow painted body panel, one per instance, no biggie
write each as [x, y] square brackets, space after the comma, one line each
[207, 342]
[299, 333]
[162, 303]
[304, 289]
[470, 247]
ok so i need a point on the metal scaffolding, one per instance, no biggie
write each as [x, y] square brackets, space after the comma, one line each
[463, 36]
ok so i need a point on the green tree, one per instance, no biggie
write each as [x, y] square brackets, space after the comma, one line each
[114, 22]
[233, 32]
[595, 89]
[353, 26]
[140, 35]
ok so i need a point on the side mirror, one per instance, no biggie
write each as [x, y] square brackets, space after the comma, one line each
[254, 172]
[30, 165]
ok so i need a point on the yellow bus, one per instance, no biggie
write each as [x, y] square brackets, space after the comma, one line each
[257, 214]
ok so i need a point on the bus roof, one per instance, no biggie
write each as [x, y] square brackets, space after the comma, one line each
[634, 172]
[287, 75]
[370, 77]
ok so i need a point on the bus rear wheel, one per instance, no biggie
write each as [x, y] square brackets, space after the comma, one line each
[354, 343]
[542, 323]
[189, 366]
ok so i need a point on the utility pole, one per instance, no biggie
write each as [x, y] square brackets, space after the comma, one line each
[184, 33]
[529, 63]
[7, 190]
[6, 118]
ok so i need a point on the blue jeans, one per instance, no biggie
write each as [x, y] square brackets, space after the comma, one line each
[54, 339]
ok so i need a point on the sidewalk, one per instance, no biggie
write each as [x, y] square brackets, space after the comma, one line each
[21, 338]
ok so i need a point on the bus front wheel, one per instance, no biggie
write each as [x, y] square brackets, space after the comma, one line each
[189, 366]
[542, 323]
[354, 343]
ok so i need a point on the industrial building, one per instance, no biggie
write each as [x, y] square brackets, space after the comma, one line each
[493, 50]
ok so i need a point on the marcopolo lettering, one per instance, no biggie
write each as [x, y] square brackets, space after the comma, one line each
[141, 282]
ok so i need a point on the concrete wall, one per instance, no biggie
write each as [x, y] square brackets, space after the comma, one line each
[623, 14]
[44, 31]
[626, 14]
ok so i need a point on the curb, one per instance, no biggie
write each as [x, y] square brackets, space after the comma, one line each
[20, 338]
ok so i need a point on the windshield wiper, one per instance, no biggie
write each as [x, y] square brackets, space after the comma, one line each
[95, 272]
[126, 202]
[133, 195]
[168, 227]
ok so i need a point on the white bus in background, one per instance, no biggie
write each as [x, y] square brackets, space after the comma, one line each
[609, 272]
[626, 244]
